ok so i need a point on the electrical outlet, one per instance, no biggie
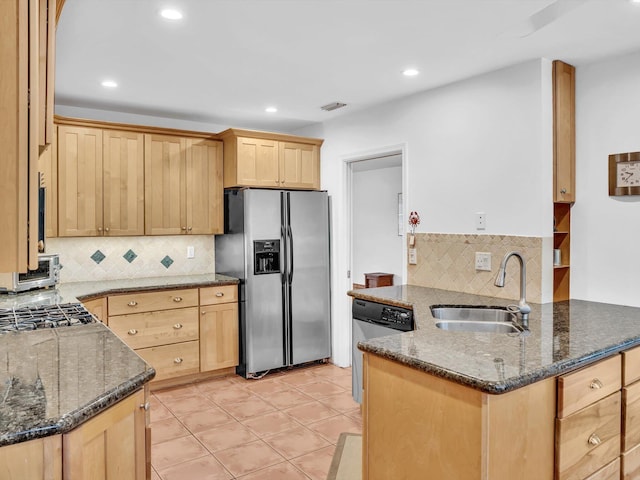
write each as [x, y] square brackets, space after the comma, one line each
[191, 252]
[413, 256]
[483, 261]
[481, 221]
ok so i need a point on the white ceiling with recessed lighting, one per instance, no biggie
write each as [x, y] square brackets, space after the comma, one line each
[226, 61]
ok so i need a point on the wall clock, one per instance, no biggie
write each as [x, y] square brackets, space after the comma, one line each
[624, 174]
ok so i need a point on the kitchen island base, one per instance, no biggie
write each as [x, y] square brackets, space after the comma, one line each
[417, 424]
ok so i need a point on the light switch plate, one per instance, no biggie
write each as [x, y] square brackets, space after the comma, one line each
[483, 261]
[413, 256]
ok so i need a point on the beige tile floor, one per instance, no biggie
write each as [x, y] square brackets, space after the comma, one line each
[282, 427]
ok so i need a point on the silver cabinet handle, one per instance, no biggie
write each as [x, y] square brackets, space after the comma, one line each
[133, 331]
[145, 406]
[203, 312]
[595, 384]
[177, 326]
[594, 439]
[184, 228]
[132, 303]
[563, 191]
[219, 294]
[177, 299]
[177, 360]
[106, 229]
[190, 228]
[99, 229]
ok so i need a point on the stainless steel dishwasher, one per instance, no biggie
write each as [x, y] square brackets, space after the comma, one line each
[373, 320]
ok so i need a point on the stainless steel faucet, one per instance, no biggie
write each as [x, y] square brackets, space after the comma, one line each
[523, 307]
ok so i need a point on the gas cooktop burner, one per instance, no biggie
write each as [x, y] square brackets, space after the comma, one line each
[47, 316]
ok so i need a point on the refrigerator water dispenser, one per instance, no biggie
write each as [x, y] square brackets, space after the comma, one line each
[266, 257]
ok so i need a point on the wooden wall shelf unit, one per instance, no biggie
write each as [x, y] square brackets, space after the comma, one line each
[564, 166]
[562, 242]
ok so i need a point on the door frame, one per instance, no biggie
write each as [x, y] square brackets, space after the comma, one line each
[348, 161]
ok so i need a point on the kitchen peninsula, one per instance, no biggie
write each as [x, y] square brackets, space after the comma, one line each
[496, 406]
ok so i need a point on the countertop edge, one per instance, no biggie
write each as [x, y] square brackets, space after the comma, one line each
[173, 286]
[72, 420]
[497, 388]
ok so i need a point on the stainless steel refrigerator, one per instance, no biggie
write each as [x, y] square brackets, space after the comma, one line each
[277, 243]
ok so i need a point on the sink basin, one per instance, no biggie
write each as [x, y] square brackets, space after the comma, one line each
[475, 319]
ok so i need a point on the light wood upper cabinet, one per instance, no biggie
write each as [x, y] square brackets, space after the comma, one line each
[270, 160]
[110, 445]
[21, 94]
[299, 165]
[564, 132]
[183, 179]
[123, 182]
[79, 181]
[46, 70]
[48, 168]
[204, 198]
[101, 182]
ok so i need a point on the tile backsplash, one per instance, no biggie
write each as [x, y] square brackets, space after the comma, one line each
[110, 258]
[447, 261]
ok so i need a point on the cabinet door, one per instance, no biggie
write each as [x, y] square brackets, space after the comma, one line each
[79, 181]
[165, 184]
[48, 167]
[204, 187]
[564, 132]
[109, 446]
[257, 162]
[123, 181]
[299, 165]
[218, 336]
[98, 307]
[39, 459]
[46, 69]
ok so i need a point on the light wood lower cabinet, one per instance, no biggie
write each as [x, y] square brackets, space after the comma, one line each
[173, 360]
[608, 472]
[589, 439]
[39, 459]
[179, 332]
[419, 426]
[98, 307]
[111, 445]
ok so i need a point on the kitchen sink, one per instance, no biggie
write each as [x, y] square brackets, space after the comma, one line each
[475, 319]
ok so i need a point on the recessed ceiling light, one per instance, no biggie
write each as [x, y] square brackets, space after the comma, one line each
[410, 72]
[109, 84]
[171, 14]
[271, 109]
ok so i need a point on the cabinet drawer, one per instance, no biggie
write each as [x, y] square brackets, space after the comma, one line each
[149, 301]
[631, 464]
[583, 387]
[588, 439]
[630, 416]
[172, 360]
[149, 329]
[631, 365]
[608, 472]
[215, 295]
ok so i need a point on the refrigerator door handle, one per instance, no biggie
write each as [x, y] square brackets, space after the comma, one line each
[290, 251]
[283, 273]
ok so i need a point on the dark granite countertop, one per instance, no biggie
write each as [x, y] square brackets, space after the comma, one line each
[74, 291]
[52, 380]
[562, 336]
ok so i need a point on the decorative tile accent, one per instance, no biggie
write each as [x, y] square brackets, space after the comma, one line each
[166, 261]
[130, 256]
[98, 256]
[76, 256]
[447, 261]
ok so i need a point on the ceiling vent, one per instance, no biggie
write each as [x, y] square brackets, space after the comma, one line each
[332, 106]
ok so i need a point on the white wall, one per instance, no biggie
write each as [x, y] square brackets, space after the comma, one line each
[482, 144]
[377, 247]
[605, 231]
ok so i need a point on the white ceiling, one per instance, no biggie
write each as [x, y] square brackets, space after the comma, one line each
[227, 60]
